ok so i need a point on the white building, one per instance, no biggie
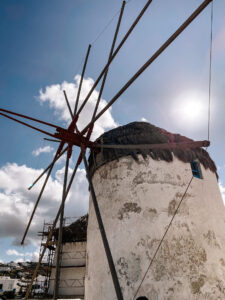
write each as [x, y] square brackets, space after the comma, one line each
[8, 284]
[73, 261]
[4, 269]
[138, 194]
[38, 287]
[13, 264]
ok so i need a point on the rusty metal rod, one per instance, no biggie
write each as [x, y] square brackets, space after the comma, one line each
[114, 55]
[30, 126]
[151, 60]
[110, 55]
[36, 204]
[51, 140]
[59, 244]
[181, 145]
[81, 80]
[46, 169]
[41, 193]
[103, 235]
[27, 117]
[51, 232]
[68, 104]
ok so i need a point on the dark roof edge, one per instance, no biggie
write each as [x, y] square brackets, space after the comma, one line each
[146, 133]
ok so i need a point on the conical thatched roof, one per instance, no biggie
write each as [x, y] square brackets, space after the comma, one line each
[146, 133]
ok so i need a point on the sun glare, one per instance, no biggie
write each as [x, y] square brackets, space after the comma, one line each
[190, 109]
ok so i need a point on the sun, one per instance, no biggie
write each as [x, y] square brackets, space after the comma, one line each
[190, 109]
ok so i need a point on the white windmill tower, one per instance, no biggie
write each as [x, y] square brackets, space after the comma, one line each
[163, 216]
[74, 136]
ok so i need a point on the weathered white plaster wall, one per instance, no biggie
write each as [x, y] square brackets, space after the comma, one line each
[73, 254]
[71, 281]
[8, 284]
[72, 271]
[137, 201]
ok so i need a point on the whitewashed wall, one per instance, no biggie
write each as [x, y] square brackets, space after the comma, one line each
[73, 254]
[71, 281]
[72, 271]
[8, 284]
[137, 201]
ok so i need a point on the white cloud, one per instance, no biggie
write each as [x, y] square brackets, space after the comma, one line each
[19, 260]
[17, 253]
[23, 256]
[222, 190]
[1, 261]
[17, 202]
[35, 256]
[54, 96]
[13, 252]
[40, 150]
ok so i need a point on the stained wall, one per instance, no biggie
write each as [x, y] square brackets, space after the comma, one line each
[137, 200]
[72, 270]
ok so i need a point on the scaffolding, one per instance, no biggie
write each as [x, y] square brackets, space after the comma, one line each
[49, 254]
[48, 259]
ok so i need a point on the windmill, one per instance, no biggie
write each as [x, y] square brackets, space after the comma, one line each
[72, 136]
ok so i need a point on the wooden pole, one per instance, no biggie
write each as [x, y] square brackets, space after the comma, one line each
[68, 104]
[114, 54]
[60, 233]
[41, 192]
[150, 61]
[110, 55]
[103, 235]
[81, 80]
[49, 166]
[51, 232]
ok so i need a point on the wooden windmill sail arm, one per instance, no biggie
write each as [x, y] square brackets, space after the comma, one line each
[81, 80]
[27, 125]
[168, 146]
[103, 234]
[42, 255]
[180, 145]
[52, 140]
[114, 54]
[150, 61]
[27, 117]
[68, 104]
[46, 169]
[90, 130]
[36, 204]
[52, 230]
[41, 192]
[110, 55]
[59, 243]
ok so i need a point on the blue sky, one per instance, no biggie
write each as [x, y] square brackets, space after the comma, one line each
[43, 44]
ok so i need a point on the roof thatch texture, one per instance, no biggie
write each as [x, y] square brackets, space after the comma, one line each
[146, 133]
[75, 232]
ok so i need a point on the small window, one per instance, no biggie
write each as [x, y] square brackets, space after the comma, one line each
[142, 298]
[196, 169]
[1, 286]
